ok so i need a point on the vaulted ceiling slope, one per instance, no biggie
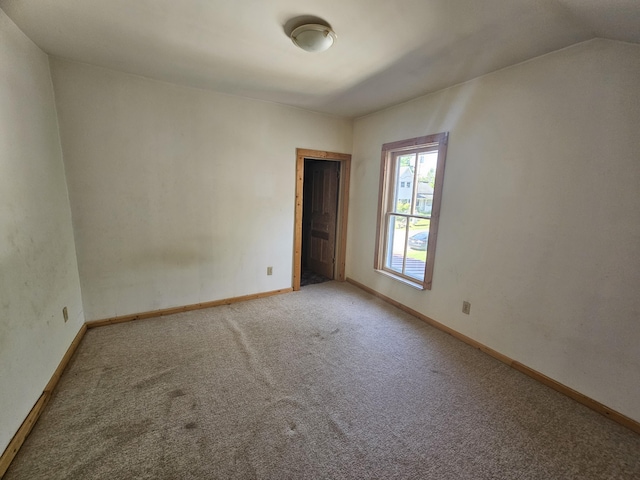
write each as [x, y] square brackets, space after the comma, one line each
[387, 52]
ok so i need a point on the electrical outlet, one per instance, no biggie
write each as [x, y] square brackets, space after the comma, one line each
[269, 270]
[466, 308]
[65, 314]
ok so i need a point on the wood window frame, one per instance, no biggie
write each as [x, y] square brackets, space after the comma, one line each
[386, 190]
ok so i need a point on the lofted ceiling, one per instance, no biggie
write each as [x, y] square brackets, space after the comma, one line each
[387, 52]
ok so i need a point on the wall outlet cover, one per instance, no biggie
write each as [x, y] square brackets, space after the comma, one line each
[466, 308]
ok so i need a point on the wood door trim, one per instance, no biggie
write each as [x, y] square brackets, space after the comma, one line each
[343, 209]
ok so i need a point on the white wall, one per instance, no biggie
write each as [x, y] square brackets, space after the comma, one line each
[38, 270]
[179, 195]
[540, 219]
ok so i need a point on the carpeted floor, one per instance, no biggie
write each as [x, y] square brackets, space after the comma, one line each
[325, 383]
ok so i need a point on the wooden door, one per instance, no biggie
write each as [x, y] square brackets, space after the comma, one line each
[323, 212]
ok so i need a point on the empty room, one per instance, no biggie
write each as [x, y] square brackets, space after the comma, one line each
[319, 240]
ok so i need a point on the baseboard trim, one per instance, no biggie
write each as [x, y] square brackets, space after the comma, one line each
[23, 432]
[549, 382]
[185, 308]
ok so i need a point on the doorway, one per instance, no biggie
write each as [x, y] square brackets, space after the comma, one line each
[322, 189]
[319, 218]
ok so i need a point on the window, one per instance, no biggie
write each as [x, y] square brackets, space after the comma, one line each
[408, 216]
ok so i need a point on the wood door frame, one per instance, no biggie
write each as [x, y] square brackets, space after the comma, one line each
[341, 217]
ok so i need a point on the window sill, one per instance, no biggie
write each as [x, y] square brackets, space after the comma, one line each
[416, 285]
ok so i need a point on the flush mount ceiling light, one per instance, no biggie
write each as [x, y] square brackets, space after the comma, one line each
[313, 37]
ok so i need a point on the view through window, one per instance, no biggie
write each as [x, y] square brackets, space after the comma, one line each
[412, 173]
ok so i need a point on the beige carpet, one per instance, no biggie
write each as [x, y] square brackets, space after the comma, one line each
[325, 383]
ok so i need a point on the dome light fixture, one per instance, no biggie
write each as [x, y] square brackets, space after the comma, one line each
[313, 37]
